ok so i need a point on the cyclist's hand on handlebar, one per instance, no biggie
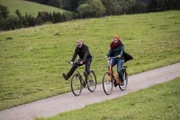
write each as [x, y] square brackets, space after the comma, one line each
[81, 62]
[118, 56]
[71, 62]
[106, 56]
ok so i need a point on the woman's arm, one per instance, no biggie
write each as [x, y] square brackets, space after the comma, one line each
[109, 53]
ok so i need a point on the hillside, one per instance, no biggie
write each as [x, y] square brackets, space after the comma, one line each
[32, 60]
[27, 7]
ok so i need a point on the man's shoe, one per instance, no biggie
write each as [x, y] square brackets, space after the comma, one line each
[84, 84]
[65, 76]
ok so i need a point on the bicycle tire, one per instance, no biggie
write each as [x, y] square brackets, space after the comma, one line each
[107, 84]
[91, 81]
[76, 84]
[125, 80]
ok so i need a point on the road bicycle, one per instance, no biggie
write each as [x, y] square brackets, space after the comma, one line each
[78, 83]
[109, 80]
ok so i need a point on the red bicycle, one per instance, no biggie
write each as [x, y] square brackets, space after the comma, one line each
[109, 80]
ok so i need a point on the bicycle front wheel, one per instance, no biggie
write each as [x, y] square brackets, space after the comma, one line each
[107, 84]
[76, 84]
[125, 80]
[91, 81]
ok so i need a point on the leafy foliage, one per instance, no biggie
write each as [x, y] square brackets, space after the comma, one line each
[3, 11]
[13, 22]
[93, 8]
[84, 9]
[115, 7]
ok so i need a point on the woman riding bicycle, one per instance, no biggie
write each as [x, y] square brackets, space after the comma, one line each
[116, 51]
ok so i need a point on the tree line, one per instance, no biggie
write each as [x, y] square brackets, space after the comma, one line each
[11, 22]
[81, 9]
[113, 7]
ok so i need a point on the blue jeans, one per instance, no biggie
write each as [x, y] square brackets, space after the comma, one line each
[119, 63]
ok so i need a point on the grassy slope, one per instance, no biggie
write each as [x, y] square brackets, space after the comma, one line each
[160, 102]
[33, 60]
[27, 7]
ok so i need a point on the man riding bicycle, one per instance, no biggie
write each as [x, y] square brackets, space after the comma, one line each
[82, 51]
[116, 51]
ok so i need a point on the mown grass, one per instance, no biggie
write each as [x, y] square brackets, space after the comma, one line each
[160, 102]
[33, 59]
[28, 7]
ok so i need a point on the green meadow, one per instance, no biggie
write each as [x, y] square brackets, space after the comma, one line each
[28, 7]
[160, 102]
[33, 59]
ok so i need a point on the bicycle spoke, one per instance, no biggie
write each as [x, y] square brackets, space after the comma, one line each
[76, 85]
[91, 81]
[125, 80]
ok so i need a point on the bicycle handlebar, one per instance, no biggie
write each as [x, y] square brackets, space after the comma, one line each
[70, 62]
[111, 57]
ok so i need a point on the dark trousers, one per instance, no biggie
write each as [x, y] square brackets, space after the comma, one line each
[77, 64]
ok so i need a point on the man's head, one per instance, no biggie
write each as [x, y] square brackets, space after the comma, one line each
[79, 43]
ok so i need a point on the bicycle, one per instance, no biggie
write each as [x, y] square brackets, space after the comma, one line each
[109, 80]
[78, 83]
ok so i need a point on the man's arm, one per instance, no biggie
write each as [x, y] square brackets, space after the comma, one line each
[74, 56]
[86, 52]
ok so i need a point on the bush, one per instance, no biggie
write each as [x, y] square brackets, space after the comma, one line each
[162, 5]
[3, 17]
[83, 9]
[18, 13]
[93, 8]
[12, 23]
[68, 16]
[3, 24]
[3, 11]
[31, 21]
[44, 16]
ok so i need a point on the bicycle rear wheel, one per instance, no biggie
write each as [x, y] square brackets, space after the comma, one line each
[125, 80]
[91, 81]
[107, 84]
[76, 84]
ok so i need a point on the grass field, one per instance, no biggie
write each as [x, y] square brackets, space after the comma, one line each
[27, 7]
[33, 59]
[160, 102]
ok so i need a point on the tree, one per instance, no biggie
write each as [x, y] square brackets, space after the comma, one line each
[55, 3]
[4, 12]
[93, 8]
[18, 13]
[167, 4]
[12, 22]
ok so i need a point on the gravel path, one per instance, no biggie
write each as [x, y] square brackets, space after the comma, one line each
[65, 102]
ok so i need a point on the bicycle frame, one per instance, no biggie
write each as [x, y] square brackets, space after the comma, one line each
[111, 71]
[110, 68]
[83, 82]
[77, 72]
[109, 80]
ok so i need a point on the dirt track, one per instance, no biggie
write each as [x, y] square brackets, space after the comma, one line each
[54, 105]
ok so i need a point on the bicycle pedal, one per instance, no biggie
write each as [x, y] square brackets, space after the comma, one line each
[84, 84]
[90, 81]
